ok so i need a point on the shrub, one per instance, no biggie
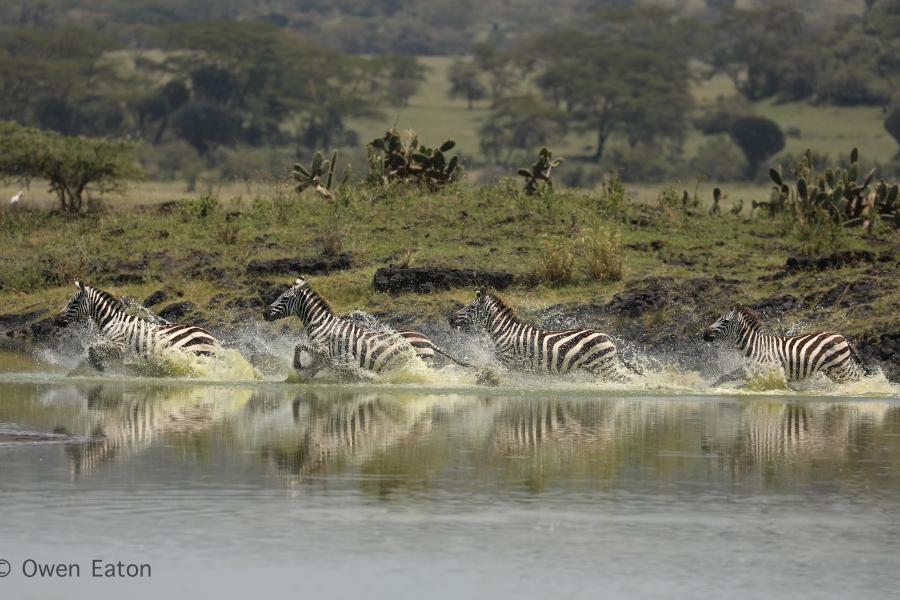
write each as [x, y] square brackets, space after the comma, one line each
[73, 165]
[721, 115]
[719, 159]
[759, 138]
[603, 256]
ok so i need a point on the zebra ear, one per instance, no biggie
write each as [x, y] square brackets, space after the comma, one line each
[79, 285]
[481, 292]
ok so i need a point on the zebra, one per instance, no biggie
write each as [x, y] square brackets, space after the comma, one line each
[338, 340]
[123, 333]
[523, 347]
[800, 356]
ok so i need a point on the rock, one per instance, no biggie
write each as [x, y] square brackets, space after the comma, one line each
[156, 298]
[312, 265]
[776, 304]
[835, 260]
[13, 321]
[177, 310]
[425, 280]
[850, 293]
[45, 329]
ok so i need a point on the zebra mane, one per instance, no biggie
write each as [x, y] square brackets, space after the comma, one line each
[751, 317]
[502, 306]
[107, 297]
[317, 299]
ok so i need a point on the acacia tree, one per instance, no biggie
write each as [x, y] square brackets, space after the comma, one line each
[518, 123]
[465, 81]
[608, 86]
[71, 165]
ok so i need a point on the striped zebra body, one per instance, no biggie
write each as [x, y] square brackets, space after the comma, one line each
[523, 347]
[129, 334]
[336, 340]
[800, 356]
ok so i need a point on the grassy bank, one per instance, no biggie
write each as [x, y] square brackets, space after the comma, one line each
[198, 249]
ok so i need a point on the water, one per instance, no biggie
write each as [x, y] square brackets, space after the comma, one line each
[411, 491]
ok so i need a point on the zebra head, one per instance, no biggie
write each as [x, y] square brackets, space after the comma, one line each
[301, 300]
[77, 309]
[733, 324]
[287, 303]
[476, 312]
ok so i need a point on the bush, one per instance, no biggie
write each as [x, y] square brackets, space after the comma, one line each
[721, 115]
[643, 163]
[719, 159]
[73, 165]
[759, 138]
[603, 256]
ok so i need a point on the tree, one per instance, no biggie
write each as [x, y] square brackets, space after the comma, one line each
[518, 123]
[758, 138]
[498, 67]
[404, 76]
[892, 123]
[752, 47]
[72, 165]
[465, 82]
[606, 86]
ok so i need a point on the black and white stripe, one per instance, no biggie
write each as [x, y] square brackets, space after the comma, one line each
[523, 347]
[124, 334]
[800, 356]
[339, 341]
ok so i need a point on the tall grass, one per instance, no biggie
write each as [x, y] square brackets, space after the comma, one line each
[604, 259]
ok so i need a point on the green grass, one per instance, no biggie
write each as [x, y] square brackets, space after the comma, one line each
[471, 226]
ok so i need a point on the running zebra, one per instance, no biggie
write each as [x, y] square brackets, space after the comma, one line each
[523, 347]
[801, 356]
[123, 333]
[338, 340]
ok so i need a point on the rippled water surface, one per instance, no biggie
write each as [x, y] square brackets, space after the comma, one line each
[265, 489]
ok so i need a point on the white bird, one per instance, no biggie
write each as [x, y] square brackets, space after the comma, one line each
[15, 199]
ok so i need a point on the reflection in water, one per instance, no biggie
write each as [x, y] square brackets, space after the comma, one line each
[770, 434]
[390, 438]
[119, 422]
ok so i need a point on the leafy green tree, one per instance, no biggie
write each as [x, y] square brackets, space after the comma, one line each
[403, 77]
[498, 67]
[752, 46]
[606, 86]
[465, 81]
[892, 123]
[758, 138]
[72, 165]
[51, 77]
[518, 123]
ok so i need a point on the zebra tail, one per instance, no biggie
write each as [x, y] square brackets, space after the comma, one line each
[440, 350]
[630, 366]
[859, 361]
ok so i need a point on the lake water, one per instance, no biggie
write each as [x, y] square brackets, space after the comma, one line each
[261, 489]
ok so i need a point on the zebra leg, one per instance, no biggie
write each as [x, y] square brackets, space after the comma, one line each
[739, 373]
[99, 353]
[305, 357]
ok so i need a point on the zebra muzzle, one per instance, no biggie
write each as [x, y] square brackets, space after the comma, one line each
[709, 335]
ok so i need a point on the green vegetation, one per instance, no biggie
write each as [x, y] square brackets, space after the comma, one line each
[73, 166]
[585, 246]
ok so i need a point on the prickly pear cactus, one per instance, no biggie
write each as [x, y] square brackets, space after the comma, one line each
[319, 174]
[391, 160]
[847, 199]
[540, 171]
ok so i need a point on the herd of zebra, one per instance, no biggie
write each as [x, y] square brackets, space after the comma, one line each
[342, 343]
